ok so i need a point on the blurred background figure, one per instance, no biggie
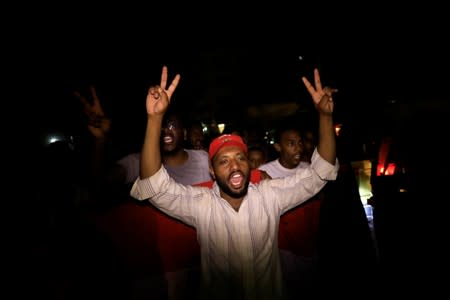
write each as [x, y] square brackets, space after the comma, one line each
[195, 137]
[309, 141]
[256, 156]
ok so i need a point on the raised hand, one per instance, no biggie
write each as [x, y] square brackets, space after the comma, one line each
[158, 97]
[98, 124]
[322, 97]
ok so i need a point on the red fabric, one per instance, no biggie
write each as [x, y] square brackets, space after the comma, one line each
[132, 229]
[207, 184]
[148, 239]
[226, 140]
[176, 242]
[255, 176]
[299, 228]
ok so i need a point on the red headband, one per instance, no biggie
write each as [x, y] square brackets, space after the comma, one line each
[226, 140]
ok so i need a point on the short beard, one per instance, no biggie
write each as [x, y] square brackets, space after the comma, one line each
[226, 189]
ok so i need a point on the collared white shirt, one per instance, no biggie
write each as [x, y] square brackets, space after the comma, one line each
[239, 249]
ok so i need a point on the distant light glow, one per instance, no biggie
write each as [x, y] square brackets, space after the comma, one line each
[337, 128]
[388, 171]
[362, 171]
[204, 128]
[221, 127]
[53, 138]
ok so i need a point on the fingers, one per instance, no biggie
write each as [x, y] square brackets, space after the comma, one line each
[163, 78]
[94, 93]
[86, 102]
[82, 99]
[329, 92]
[156, 91]
[308, 86]
[87, 107]
[317, 80]
[173, 85]
[318, 85]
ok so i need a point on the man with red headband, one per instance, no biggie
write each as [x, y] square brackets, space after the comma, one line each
[236, 220]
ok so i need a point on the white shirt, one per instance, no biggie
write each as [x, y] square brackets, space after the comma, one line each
[277, 170]
[194, 170]
[239, 250]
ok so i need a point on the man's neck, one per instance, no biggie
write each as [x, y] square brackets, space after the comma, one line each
[175, 158]
[234, 202]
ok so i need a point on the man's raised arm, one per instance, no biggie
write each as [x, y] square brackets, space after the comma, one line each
[324, 104]
[157, 102]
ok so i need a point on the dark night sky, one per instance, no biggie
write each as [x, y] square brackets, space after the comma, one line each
[234, 77]
[370, 66]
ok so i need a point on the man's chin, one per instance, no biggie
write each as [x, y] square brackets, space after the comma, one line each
[168, 150]
[231, 191]
[237, 192]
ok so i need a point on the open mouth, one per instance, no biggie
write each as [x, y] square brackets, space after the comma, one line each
[168, 139]
[236, 180]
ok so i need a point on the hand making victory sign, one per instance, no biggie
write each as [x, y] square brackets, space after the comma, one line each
[158, 97]
[322, 97]
[323, 101]
[157, 102]
[98, 123]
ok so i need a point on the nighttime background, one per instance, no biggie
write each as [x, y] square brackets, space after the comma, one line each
[387, 70]
[391, 71]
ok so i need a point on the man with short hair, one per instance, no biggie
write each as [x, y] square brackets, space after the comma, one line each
[299, 228]
[236, 221]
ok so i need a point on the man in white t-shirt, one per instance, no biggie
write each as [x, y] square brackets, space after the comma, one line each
[298, 231]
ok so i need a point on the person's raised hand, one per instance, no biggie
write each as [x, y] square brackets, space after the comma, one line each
[98, 123]
[322, 97]
[159, 96]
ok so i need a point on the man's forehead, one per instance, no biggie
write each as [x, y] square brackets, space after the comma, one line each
[290, 134]
[173, 119]
[230, 150]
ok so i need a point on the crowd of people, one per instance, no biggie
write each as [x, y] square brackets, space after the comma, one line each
[213, 217]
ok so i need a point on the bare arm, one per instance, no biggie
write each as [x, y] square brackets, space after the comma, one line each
[324, 104]
[157, 102]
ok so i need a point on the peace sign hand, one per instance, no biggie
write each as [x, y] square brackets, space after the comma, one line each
[158, 97]
[322, 97]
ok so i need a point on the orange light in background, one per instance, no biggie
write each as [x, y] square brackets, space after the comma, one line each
[337, 128]
[386, 172]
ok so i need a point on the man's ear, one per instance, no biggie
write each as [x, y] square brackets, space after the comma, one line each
[277, 147]
[211, 172]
